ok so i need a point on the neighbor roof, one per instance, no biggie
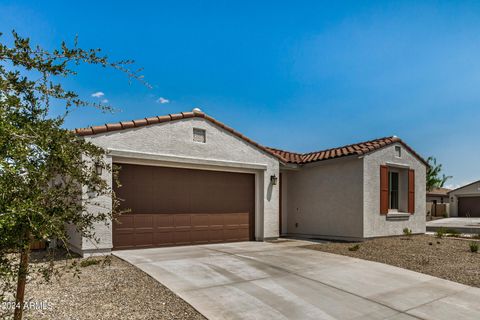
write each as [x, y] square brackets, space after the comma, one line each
[438, 192]
[360, 148]
[467, 185]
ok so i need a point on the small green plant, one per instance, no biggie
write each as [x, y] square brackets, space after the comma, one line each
[407, 232]
[452, 232]
[440, 233]
[89, 262]
[474, 246]
[354, 248]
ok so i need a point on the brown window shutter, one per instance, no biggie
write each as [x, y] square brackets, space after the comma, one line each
[383, 189]
[411, 191]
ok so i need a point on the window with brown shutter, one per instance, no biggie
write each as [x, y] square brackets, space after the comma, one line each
[383, 189]
[411, 191]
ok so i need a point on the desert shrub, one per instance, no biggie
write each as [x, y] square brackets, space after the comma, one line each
[473, 246]
[407, 232]
[354, 248]
[89, 262]
[440, 233]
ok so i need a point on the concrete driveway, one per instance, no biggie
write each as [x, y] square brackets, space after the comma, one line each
[463, 225]
[258, 280]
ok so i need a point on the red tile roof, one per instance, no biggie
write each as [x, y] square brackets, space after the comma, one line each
[284, 156]
[438, 192]
[348, 150]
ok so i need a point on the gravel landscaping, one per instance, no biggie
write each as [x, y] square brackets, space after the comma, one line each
[115, 290]
[445, 258]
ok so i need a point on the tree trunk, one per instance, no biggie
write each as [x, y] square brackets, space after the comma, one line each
[21, 281]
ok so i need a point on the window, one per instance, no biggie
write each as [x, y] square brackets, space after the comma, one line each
[398, 152]
[393, 190]
[199, 135]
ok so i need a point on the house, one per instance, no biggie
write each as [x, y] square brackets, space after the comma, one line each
[465, 201]
[189, 179]
[438, 195]
[438, 202]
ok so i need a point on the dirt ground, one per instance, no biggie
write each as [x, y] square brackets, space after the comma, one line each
[445, 258]
[113, 290]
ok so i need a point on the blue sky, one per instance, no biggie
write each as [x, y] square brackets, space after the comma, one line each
[297, 75]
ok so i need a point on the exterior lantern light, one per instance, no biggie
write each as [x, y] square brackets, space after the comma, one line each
[98, 169]
[273, 180]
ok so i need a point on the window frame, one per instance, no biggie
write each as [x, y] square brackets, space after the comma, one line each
[393, 201]
[196, 132]
[398, 151]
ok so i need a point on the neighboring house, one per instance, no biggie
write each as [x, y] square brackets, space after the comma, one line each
[465, 201]
[438, 195]
[438, 202]
[189, 179]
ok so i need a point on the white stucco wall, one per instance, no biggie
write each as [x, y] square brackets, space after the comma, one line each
[472, 190]
[325, 199]
[376, 224]
[103, 230]
[171, 144]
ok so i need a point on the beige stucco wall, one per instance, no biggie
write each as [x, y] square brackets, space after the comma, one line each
[171, 144]
[439, 199]
[472, 190]
[376, 224]
[325, 199]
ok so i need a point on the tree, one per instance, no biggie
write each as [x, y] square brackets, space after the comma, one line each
[434, 180]
[43, 167]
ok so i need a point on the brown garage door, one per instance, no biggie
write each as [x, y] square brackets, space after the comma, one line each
[171, 206]
[469, 207]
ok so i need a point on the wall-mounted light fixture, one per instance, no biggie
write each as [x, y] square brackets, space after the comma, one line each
[273, 180]
[98, 169]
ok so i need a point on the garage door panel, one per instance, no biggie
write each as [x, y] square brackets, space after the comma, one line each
[164, 221]
[164, 239]
[217, 220]
[237, 219]
[125, 220]
[182, 237]
[123, 240]
[217, 236]
[182, 220]
[171, 206]
[144, 221]
[200, 236]
[199, 220]
[143, 239]
[469, 207]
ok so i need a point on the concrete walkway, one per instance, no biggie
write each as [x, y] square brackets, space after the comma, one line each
[462, 225]
[258, 280]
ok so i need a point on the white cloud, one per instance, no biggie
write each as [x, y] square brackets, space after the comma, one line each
[98, 94]
[452, 186]
[105, 101]
[162, 100]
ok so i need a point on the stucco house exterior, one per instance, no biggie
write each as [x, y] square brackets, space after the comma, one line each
[438, 202]
[189, 179]
[465, 201]
[438, 195]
